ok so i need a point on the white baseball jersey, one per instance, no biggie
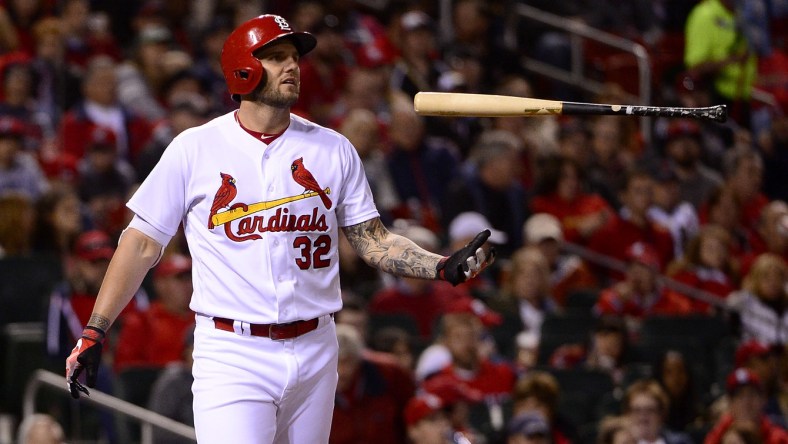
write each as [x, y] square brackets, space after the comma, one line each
[263, 236]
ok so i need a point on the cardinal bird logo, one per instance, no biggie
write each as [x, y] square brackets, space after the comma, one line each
[224, 195]
[303, 177]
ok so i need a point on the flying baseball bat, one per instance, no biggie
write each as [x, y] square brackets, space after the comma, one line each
[486, 105]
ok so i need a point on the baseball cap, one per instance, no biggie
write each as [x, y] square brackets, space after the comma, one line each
[102, 137]
[469, 224]
[542, 226]
[94, 245]
[529, 424]
[421, 406]
[742, 377]
[748, 350]
[476, 307]
[644, 254]
[683, 128]
[414, 20]
[451, 391]
[172, 265]
[11, 127]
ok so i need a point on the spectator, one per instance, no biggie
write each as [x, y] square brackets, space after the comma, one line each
[746, 406]
[40, 428]
[770, 234]
[742, 433]
[324, 73]
[744, 177]
[632, 225]
[426, 421]
[528, 428]
[562, 192]
[16, 225]
[363, 130]
[185, 112]
[568, 272]
[538, 392]
[640, 294]
[676, 215]
[58, 221]
[538, 137]
[100, 106]
[145, 340]
[490, 186]
[607, 350]
[614, 430]
[708, 265]
[722, 209]
[675, 378]
[354, 314]
[525, 297]
[19, 170]
[716, 49]
[399, 343]
[417, 68]
[371, 395]
[171, 394]
[774, 148]
[141, 77]
[458, 399]
[611, 157]
[71, 302]
[761, 302]
[462, 333]
[420, 168]
[17, 92]
[645, 406]
[104, 181]
[57, 87]
[683, 156]
[86, 35]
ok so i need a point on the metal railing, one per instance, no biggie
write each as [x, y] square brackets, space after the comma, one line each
[148, 419]
[576, 75]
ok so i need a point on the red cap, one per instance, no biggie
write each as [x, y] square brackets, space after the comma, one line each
[420, 407]
[11, 126]
[683, 128]
[172, 265]
[94, 245]
[645, 254]
[102, 136]
[748, 350]
[474, 306]
[452, 391]
[742, 377]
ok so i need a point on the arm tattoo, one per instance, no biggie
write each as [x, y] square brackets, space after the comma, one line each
[98, 321]
[390, 252]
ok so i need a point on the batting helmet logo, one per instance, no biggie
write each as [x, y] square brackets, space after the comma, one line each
[242, 70]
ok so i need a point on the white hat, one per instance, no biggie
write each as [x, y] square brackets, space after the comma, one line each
[421, 236]
[469, 224]
[542, 226]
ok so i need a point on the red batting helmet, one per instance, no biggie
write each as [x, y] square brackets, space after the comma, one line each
[242, 71]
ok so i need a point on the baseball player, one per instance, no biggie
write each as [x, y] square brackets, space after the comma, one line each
[261, 194]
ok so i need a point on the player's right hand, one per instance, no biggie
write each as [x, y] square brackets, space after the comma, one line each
[85, 355]
[467, 262]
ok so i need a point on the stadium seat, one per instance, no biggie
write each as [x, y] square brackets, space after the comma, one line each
[134, 385]
[23, 353]
[557, 330]
[581, 301]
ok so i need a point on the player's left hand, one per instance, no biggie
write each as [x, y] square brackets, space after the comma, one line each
[85, 355]
[467, 262]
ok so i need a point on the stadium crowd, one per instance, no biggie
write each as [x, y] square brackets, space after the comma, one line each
[640, 293]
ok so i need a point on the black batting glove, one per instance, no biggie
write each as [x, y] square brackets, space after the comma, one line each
[85, 355]
[467, 262]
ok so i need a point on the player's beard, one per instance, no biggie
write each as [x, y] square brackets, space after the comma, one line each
[271, 96]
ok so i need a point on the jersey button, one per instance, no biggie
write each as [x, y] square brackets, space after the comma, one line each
[276, 242]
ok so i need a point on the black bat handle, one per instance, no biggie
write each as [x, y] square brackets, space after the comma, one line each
[717, 113]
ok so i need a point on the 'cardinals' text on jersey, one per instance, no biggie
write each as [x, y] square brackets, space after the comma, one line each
[268, 211]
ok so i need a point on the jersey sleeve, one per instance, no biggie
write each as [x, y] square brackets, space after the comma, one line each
[356, 204]
[161, 198]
